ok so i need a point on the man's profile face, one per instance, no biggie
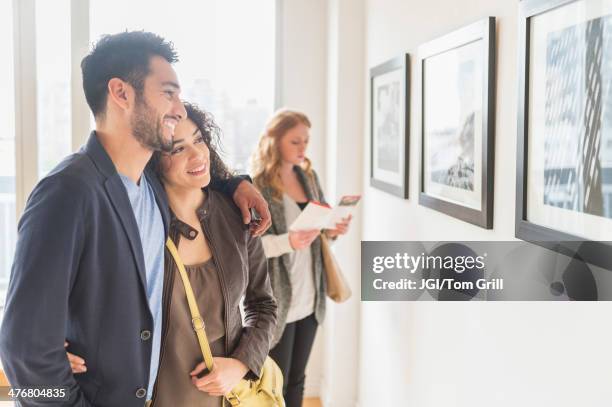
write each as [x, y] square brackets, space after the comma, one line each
[159, 109]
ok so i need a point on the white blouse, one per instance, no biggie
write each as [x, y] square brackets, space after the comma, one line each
[303, 291]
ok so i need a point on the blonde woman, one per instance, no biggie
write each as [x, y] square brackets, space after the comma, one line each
[287, 181]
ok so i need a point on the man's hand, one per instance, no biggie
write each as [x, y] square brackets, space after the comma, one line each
[77, 364]
[226, 374]
[246, 197]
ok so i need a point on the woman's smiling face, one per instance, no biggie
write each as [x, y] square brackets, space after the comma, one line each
[188, 165]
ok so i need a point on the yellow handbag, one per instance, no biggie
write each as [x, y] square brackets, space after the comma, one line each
[267, 391]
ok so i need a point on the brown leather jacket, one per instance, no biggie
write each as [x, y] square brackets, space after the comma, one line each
[243, 273]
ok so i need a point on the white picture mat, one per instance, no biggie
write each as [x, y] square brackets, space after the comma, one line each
[440, 94]
[576, 223]
[390, 177]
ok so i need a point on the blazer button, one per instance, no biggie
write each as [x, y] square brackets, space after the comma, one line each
[145, 335]
[140, 393]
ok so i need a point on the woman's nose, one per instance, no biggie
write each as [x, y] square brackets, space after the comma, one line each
[195, 153]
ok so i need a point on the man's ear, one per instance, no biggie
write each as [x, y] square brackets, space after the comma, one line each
[120, 93]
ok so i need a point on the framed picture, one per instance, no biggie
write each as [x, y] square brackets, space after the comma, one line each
[389, 126]
[564, 157]
[458, 123]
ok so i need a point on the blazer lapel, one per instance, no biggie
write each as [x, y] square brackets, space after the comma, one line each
[160, 198]
[279, 223]
[120, 200]
[306, 184]
[116, 192]
[277, 211]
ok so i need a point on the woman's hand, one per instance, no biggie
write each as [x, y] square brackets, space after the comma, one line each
[77, 364]
[226, 374]
[341, 228]
[301, 239]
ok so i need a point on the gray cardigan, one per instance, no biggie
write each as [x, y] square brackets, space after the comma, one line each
[278, 267]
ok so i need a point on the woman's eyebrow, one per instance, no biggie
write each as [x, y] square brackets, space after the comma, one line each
[180, 140]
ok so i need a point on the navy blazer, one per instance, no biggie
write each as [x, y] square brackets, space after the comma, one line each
[79, 275]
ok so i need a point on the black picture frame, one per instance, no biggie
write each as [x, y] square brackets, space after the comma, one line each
[402, 64]
[598, 253]
[481, 30]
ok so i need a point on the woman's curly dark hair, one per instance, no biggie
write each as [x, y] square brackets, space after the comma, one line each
[211, 134]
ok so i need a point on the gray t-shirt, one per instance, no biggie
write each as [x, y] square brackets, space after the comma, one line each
[151, 229]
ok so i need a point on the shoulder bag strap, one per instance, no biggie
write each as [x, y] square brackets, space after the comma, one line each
[196, 319]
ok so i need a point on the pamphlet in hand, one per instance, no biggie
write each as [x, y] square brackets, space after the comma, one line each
[320, 216]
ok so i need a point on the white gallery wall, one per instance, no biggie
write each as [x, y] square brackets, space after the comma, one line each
[468, 354]
[322, 71]
[425, 354]
[345, 110]
[303, 69]
[303, 81]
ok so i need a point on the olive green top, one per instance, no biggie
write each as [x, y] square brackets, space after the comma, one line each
[182, 351]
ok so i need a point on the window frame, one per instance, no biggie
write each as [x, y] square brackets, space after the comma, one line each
[25, 92]
[25, 88]
[25, 80]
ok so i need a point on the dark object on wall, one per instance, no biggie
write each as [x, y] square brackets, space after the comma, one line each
[389, 125]
[458, 123]
[564, 149]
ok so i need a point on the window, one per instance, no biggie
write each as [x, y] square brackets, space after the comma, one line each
[7, 147]
[52, 82]
[227, 58]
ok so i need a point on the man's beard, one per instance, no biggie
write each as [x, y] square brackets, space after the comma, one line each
[147, 127]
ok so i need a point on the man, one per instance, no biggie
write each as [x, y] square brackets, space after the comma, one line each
[89, 261]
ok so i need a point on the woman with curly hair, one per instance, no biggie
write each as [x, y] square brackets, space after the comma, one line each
[287, 181]
[226, 267]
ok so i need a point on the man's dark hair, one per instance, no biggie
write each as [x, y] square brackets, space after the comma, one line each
[125, 56]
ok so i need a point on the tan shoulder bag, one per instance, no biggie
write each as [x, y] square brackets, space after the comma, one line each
[338, 288]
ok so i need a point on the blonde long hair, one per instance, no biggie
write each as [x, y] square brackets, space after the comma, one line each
[266, 161]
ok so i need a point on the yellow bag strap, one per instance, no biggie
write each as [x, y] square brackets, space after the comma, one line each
[196, 319]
